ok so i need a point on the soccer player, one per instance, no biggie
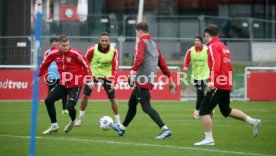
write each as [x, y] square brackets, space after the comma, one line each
[198, 57]
[148, 57]
[73, 68]
[53, 76]
[219, 87]
[104, 60]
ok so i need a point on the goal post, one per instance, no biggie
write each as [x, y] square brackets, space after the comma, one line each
[31, 67]
[176, 68]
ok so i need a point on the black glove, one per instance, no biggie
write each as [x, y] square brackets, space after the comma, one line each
[130, 82]
[172, 87]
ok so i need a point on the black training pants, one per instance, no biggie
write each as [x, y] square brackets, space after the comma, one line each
[200, 87]
[143, 96]
[51, 84]
[57, 93]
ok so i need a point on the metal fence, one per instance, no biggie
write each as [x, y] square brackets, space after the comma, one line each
[174, 35]
[18, 50]
[173, 49]
[164, 26]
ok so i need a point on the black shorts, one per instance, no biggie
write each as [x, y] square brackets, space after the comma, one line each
[106, 85]
[200, 84]
[214, 97]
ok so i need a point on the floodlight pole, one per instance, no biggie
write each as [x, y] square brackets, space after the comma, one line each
[140, 14]
[140, 11]
[38, 15]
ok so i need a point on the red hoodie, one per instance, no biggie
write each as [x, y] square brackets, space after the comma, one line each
[220, 64]
[72, 62]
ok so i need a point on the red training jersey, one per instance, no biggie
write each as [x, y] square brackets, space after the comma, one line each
[72, 66]
[220, 64]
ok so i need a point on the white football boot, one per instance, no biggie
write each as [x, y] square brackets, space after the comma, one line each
[51, 129]
[205, 142]
[256, 127]
[69, 126]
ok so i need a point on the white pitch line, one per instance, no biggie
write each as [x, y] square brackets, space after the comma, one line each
[140, 144]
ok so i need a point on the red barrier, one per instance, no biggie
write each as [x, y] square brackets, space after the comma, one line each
[260, 86]
[17, 85]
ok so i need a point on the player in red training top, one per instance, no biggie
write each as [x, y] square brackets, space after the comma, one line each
[219, 87]
[73, 69]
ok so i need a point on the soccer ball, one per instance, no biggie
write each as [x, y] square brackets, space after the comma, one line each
[105, 122]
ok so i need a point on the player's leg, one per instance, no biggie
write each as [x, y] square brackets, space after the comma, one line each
[196, 111]
[200, 86]
[238, 114]
[63, 99]
[73, 99]
[144, 99]
[113, 102]
[56, 93]
[64, 102]
[255, 123]
[131, 112]
[132, 104]
[83, 104]
[115, 110]
[211, 99]
[224, 104]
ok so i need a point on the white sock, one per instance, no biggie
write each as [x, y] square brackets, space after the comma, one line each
[209, 135]
[81, 114]
[196, 112]
[250, 120]
[117, 119]
[164, 128]
[54, 124]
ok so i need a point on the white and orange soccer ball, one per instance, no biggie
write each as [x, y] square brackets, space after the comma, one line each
[105, 123]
